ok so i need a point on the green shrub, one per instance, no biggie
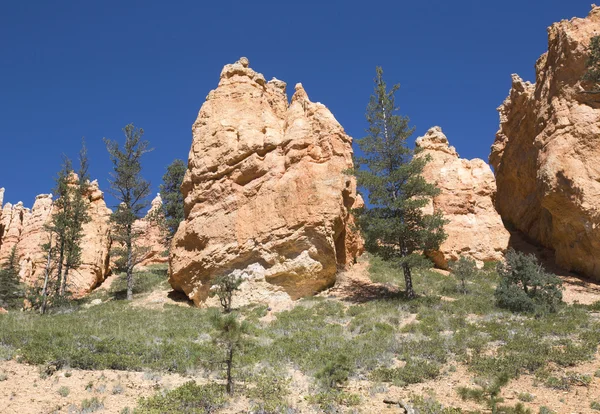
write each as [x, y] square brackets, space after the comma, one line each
[329, 400]
[335, 372]
[91, 406]
[414, 372]
[189, 398]
[595, 405]
[526, 397]
[465, 270]
[268, 395]
[546, 410]
[525, 286]
[64, 391]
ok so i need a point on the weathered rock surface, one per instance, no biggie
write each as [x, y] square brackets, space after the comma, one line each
[152, 237]
[31, 256]
[265, 193]
[466, 199]
[546, 154]
[24, 229]
[11, 228]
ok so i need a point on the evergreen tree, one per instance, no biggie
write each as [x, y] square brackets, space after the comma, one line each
[131, 190]
[230, 334]
[77, 218]
[172, 197]
[10, 285]
[394, 226]
[59, 223]
[592, 64]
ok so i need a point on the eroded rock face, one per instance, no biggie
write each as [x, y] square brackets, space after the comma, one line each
[466, 199]
[265, 193]
[24, 229]
[547, 151]
[152, 237]
[11, 228]
[31, 255]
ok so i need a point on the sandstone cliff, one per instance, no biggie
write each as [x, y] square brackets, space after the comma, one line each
[546, 154]
[467, 194]
[265, 191]
[24, 229]
[152, 237]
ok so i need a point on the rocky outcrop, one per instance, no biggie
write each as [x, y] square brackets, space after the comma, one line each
[30, 253]
[265, 191]
[546, 154]
[96, 245]
[467, 191]
[11, 228]
[24, 230]
[152, 236]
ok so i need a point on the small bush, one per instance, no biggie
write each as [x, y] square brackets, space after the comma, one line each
[3, 376]
[328, 400]
[269, 392]
[335, 373]
[189, 398]
[526, 397]
[595, 405]
[465, 270]
[546, 410]
[64, 391]
[525, 286]
[117, 389]
[91, 406]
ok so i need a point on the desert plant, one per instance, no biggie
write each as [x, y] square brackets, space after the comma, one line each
[488, 392]
[525, 286]
[224, 287]
[189, 398]
[335, 372]
[465, 269]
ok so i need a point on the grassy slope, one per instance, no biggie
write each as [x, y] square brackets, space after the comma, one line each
[450, 328]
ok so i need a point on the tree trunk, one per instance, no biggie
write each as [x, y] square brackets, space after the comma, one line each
[63, 286]
[129, 271]
[229, 365]
[61, 256]
[410, 293]
[46, 277]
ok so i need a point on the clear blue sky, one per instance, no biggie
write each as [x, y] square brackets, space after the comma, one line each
[79, 68]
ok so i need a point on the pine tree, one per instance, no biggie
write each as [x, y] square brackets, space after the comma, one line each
[395, 226]
[592, 73]
[172, 197]
[132, 191]
[78, 217]
[10, 285]
[230, 334]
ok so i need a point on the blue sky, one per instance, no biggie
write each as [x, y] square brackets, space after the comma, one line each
[77, 68]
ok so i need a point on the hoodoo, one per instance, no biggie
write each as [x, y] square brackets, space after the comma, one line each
[547, 151]
[466, 198]
[266, 191]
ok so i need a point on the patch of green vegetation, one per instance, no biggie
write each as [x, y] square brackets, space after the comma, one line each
[64, 391]
[189, 398]
[145, 281]
[595, 405]
[328, 401]
[269, 391]
[429, 405]
[526, 397]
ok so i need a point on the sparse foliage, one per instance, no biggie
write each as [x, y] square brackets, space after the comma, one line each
[224, 287]
[465, 270]
[170, 191]
[592, 74]
[335, 372]
[525, 286]
[229, 335]
[10, 285]
[131, 190]
[395, 226]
